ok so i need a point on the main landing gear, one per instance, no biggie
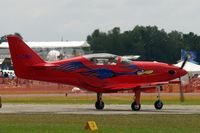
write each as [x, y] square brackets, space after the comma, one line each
[99, 103]
[136, 103]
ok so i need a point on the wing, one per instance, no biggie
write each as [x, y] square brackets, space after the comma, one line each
[118, 87]
[44, 65]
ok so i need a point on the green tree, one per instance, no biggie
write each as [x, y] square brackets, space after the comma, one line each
[149, 42]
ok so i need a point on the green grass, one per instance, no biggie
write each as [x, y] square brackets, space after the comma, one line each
[52, 123]
[90, 99]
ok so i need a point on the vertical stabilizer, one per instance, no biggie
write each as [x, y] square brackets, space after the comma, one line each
[23, 57]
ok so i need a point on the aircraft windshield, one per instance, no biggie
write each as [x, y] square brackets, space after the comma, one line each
[102, 59]
[125, 61]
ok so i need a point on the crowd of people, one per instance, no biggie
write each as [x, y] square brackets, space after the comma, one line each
[7, 74]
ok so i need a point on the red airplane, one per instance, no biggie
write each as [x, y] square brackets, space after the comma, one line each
[100, 73]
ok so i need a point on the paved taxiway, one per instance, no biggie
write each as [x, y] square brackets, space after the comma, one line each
[89, 109]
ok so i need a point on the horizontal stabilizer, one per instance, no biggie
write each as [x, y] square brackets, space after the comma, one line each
[44, 65]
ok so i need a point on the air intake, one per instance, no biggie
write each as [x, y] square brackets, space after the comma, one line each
[171, 72]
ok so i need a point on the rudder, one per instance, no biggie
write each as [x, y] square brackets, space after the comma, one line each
[23, 57]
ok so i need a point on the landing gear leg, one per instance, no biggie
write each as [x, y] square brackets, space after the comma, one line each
[136, 103]
[0, 103]
[158, 103]
[99, 103]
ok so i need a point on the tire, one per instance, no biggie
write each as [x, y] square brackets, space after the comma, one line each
[158, 104]
[135, 107]
[99, 105]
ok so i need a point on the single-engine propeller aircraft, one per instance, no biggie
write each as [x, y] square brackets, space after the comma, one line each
[100, 73]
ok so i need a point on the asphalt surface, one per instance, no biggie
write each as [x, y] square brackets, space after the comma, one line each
[90, 109]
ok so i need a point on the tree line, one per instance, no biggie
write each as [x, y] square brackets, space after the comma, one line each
[149, 42]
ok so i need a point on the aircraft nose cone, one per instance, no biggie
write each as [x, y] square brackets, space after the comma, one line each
[183, 72]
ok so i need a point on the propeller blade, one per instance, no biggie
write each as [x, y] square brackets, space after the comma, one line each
[181, 91]
[184, 62]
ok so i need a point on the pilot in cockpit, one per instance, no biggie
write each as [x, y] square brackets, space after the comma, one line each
[112, 61]
[93, 60]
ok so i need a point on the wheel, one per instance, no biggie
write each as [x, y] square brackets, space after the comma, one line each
[158, 104]
[99, 105]
[135, 107]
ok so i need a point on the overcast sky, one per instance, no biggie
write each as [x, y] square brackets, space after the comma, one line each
[50, 20]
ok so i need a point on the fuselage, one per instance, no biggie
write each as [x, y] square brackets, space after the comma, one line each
[84, 73]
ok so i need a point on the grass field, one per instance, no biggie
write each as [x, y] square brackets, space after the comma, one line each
[108, 99]
[57, 123]
[51, 123]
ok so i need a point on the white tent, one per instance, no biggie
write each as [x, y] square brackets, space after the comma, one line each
[68, 49]
[190, 67]
[68, 44]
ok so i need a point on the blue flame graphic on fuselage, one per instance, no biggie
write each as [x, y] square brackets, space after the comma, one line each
[101, 73]
[72, 66]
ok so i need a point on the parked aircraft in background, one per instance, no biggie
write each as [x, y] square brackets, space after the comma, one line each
[100, 73]
[131, 57]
